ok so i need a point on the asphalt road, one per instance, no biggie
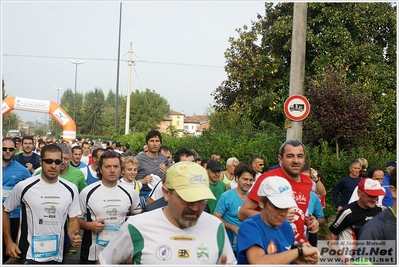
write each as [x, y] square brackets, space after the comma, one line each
[70, 259]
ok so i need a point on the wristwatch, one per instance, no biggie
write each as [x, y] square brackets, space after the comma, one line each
[300, 249]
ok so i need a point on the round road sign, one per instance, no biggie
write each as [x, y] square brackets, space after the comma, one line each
[296, 107]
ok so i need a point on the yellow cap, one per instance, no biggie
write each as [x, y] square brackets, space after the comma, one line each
[190, 181]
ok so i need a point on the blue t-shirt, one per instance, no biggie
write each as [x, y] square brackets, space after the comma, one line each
[80, 166]
[13, 174]
[387, 201]
[90, 178]
[346, 186]
[314, 208]
[229, 203]
[255, 232]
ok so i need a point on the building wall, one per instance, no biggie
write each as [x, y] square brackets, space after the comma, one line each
[178, 121]
[194, 125]
[163, 126]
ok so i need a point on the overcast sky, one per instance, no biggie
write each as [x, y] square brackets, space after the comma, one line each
[39, 38]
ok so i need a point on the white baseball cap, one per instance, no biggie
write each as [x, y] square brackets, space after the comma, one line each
[278, 190]
[371, 187]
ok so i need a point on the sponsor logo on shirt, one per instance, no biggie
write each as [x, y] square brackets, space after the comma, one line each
[46, 197]
[271, 248]
[202, 254]
[368, 218]
[182, 238]
[163, 252]
[112, 212]
[50, 210]
[299, 198]
[183, 253]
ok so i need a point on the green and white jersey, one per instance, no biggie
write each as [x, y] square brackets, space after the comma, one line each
[158, 241]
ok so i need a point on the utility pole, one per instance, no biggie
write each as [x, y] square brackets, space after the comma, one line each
[297, 68]
[129, 79]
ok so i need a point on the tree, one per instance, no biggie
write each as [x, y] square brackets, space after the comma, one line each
[147, 109]
[10, 120]
[110, 105]
[66, 102]
[343, 118]
[93, 112]
[359, 38]
[110, 101]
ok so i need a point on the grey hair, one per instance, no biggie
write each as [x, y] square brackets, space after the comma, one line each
[292, 142]
[230, 161]
[65, 148]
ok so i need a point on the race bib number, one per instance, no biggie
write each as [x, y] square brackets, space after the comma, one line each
[105, 236]
[44, 246]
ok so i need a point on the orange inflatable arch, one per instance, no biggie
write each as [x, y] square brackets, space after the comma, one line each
[42, 106]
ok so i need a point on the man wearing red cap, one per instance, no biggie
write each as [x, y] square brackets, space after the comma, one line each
[353, 216]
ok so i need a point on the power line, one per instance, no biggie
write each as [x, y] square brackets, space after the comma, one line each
[111, 59]
[14, 55]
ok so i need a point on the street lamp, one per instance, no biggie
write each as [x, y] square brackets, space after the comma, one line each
[74, 96]
[58, 93]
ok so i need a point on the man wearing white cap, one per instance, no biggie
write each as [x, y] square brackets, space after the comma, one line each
[291, 158]
[353, 216]
[267, 238]
[180, 233]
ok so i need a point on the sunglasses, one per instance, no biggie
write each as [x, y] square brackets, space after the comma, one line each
[50, 161]
[11, 149]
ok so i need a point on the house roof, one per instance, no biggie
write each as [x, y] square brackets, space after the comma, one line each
[195, 119]
[173, 112]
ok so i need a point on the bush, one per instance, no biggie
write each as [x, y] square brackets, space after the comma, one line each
[266, 144]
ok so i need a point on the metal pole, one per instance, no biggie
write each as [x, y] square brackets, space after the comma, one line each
[297, 69]
[76, 80]
[117, 71]
[74, 95]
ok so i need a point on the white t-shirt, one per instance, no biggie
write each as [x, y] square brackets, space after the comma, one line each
[44, 209]
[355, 197]
[233, 184]
[156, 193]
[109, 203]
[85, 159]
[152, 239]
[133, 184]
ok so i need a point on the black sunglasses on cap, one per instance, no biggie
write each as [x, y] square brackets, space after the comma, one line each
[11, 149]
[50, 161]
